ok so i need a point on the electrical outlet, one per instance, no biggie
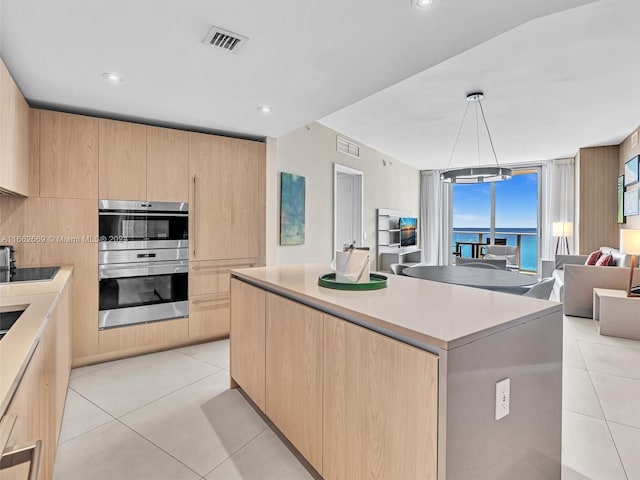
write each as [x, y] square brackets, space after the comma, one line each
[503, 396]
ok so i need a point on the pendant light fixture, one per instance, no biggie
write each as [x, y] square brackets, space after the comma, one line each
[475, 174]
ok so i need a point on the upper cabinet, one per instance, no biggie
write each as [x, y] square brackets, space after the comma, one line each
[167, 165]
[227, 205]
[14, 136]
[68, 155]
[138, 162]
[122, 160]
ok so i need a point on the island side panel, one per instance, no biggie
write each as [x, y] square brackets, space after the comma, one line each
[526, 444]
[248, 340]
[380, 406]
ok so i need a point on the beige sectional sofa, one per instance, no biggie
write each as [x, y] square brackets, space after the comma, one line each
[575, 281]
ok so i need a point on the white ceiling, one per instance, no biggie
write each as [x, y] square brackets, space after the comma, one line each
[558, 74]
[551, 86]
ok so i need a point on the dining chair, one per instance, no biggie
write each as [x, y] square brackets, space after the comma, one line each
[499, 263]
[508, 253]
[398, 268]
[541, 290]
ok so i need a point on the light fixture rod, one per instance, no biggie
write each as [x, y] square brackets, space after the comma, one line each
[455, 144]
[489, 134]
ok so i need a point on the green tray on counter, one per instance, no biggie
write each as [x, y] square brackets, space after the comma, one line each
[376, 281]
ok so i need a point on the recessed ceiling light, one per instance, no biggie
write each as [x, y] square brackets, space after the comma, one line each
[423, 4]
[264, 109]
[112, 77]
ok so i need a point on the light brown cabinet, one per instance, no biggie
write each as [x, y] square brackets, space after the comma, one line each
[380, 406]
[139, 162]
[294, 351]
[122, 160]
[355, 403]
[209, 293]
[68, 155]
[248, 340]
[167, 165]
[14, 136]
[226, 207]
[39, 400]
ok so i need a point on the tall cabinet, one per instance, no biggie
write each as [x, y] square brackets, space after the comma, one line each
[226, 218]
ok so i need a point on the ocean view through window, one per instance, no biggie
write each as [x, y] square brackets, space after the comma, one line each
[504, 212]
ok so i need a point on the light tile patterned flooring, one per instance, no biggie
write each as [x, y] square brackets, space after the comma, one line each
[171, 415]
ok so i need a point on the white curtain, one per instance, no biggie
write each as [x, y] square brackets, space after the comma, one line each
[434, 218]
[558, 203]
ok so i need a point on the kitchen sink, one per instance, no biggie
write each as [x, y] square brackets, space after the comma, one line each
[30, 274]
[7, 320]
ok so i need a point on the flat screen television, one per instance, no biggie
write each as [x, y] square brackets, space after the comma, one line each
[408, 226]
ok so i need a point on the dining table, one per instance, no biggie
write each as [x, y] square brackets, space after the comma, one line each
[486, 278]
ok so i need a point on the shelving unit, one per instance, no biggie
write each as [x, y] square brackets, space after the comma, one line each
[389, 250]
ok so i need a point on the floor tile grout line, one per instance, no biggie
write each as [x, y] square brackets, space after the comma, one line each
[158, 447]
[241, 447]
[593, 342]
[585, 414]
[623, 424]
[88, 431]
[615, 445]
[200, 360]
[169, 393]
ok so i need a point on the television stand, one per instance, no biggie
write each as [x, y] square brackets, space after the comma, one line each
[406, 256]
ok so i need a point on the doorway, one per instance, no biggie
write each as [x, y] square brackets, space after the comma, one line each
[347, 206]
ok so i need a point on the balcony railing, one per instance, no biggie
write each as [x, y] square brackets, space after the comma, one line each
[528, 249]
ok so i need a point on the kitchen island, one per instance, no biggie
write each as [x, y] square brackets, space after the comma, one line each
[401, 383]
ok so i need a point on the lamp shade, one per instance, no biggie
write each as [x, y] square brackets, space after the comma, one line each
[630, 241]
[563, 229]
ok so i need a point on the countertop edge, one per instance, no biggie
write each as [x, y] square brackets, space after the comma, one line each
[410, 337]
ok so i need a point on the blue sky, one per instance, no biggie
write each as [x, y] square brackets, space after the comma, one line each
[516, 203]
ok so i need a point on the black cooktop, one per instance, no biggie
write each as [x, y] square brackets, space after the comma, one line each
[30, 274]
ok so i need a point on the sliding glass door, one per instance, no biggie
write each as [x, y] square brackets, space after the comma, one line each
[504, 213]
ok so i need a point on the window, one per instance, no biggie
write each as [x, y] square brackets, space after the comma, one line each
[498, 212]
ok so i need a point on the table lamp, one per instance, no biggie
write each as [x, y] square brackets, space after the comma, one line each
[563, 230]
[630, 244]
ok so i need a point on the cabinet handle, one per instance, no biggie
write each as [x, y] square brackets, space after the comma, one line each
[195, 219]
[21, 454]
[208, 300]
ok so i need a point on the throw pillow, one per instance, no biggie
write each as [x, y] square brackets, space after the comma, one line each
[593, 257]
[605, 260]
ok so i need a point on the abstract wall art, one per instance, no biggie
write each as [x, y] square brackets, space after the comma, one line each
[292, 204]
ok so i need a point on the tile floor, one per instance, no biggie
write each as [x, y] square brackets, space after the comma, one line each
[171, 415]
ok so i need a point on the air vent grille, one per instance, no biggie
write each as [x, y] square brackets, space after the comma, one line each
[225, 40]
[347, 147]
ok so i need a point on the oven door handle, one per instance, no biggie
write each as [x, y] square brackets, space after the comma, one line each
[144, 214]
[142, 270]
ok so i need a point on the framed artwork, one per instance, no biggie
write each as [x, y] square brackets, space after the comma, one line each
[631, 202]
[621, 218]
[631, 171]
[292, 204]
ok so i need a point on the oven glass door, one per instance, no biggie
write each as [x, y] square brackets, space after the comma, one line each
[128, 298]
[131, 227]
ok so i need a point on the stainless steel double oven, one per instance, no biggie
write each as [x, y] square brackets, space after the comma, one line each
[143, 262]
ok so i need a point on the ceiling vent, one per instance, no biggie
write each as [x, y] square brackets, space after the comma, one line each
[347, 147]
[224, 39]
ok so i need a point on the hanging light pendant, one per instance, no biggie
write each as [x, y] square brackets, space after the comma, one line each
[475, 174]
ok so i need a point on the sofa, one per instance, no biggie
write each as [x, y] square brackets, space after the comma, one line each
[575, 281]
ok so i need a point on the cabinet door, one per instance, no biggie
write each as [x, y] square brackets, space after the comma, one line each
[14, 136]
[68, 155]
[294, 339]
[248, 340]
[122, 160]
[209, 316]
[380, 406]
[226, 206]
[167, 165]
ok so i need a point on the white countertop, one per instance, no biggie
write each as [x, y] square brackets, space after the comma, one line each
[17, 346]
[427, 314]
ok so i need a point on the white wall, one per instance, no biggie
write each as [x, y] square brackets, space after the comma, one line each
[311, 152]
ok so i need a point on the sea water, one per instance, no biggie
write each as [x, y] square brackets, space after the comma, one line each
[528, 242]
